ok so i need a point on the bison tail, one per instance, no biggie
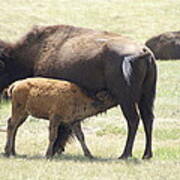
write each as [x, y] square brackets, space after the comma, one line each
[146, 102]
[141, 81]
[127, 68]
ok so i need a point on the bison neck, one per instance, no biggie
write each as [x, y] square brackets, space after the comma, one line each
[23, 61]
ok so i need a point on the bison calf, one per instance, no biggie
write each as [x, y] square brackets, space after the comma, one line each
[62, 103]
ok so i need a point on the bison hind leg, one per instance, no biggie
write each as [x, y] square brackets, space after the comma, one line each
[64, 134]
[130, 112]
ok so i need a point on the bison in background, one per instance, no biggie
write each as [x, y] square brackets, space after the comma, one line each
[165, 46]
[95, 61]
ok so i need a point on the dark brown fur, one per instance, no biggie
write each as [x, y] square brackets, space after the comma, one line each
[165, 46]
[94, 60]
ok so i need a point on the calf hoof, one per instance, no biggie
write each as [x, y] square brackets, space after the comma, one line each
[49, 156]
[9, 151]
[88, 155]
[8, 154]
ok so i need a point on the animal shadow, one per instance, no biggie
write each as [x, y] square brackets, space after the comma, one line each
[76, 158]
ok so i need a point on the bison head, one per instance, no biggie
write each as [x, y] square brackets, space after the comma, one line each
[2, 66]
[4, 74]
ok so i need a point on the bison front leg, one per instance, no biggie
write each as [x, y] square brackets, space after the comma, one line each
[12, 127]
[80, 136]
[130, 112]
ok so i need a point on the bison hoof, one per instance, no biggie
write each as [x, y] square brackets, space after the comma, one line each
[147, 156]
[125, 156]
[60, 150]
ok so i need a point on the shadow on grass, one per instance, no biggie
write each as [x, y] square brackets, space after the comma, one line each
[75, 158]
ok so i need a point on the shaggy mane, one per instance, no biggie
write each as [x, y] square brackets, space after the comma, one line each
[38, 33]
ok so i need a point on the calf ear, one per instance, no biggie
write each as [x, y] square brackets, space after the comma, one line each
[2, 66]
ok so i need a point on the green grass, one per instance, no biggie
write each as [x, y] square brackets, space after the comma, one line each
[138, 19]
[106, 133]
[168, 90]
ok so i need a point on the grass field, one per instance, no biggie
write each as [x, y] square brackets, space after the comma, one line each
[105, 134]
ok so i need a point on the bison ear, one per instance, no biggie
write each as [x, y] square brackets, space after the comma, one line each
[2, 66]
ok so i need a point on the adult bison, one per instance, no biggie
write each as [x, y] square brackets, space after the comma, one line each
[94, 60]
[166, 45]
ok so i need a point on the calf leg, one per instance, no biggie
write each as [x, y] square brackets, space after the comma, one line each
[13, 125]
[80, 136]
[53, 134]
[131, 115]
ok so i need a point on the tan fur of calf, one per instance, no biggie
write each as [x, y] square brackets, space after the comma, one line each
[61, 102]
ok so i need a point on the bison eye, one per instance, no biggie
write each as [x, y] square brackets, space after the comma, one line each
[2, 66]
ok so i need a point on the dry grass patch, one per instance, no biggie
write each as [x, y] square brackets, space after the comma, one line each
[140, 19]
